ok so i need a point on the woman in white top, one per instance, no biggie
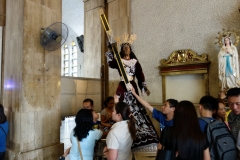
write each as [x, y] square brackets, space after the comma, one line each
[85, 134]
[123, 132]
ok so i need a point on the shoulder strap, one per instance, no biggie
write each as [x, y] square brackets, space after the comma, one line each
[3, 131]
[207, 120]
[79, 149]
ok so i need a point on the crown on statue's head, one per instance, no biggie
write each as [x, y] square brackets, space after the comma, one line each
[226, 35]
[126, 39]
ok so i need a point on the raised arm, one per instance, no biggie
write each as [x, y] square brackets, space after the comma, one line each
[142, 101]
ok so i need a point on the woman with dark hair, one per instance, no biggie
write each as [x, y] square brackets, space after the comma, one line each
[146, 134]
[185, 136]
[3, 132]
[106, 114]
[85, 134]
[220, 113]
[123, 132]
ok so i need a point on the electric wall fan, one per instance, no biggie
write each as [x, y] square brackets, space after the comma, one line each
[54, 36]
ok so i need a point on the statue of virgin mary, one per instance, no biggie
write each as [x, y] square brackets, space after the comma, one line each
[228, 65]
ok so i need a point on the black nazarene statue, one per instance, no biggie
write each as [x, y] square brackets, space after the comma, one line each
[129, 67]
[146, 134]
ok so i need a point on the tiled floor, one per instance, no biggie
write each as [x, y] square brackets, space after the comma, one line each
[66, 127]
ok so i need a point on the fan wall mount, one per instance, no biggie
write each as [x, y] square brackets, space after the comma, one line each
[54, 36]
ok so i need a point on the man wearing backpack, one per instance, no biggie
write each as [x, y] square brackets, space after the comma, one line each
[233, 97]
[207, 106]
[222, 145]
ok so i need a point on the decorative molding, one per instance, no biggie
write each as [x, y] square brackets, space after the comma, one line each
[184, 61]
[184, 56]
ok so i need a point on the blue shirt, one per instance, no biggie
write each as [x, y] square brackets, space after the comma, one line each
[3, 136]
[161, 118]
[203, 124]
[86, 144]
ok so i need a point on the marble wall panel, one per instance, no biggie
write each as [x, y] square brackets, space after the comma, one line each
[1, 49]
[87, 5]
[2, 20]
[112, 87]
[68, 103]
[49, 152]
[113, 11]
[32, 24]
[52, 91]
[108, 1]
[123, 27]
[34, 92]
[96, 19]
[93, 39]
[93, 87]
[82, 88]
[89, 18]
[14, 135]
[2, 12]
[118, 15]
[80, 99]
[123, 8]
[31, 89]
[68, 85]
[33, 130]
[38, 129]
[27, 131]
[98, 3]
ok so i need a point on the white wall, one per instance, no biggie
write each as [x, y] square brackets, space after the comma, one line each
[163, 26]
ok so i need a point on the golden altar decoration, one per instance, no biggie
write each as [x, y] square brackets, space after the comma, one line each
[184, 61]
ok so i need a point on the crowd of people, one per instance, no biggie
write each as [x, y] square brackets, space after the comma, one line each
[125, 125]
[185, 136]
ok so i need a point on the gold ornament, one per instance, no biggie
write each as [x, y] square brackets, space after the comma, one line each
[126, 39]
[227, 33]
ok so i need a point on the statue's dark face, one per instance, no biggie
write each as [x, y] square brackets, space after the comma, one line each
[126, 50]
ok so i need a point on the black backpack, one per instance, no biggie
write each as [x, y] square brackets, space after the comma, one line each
[222, 145]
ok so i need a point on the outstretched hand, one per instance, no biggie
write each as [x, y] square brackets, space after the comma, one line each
[147, 91]
[133, 90]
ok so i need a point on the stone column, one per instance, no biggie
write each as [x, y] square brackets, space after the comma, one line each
[94, 65]
[2, 12]
[31, 83]
[94, 38]
[120, 21]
